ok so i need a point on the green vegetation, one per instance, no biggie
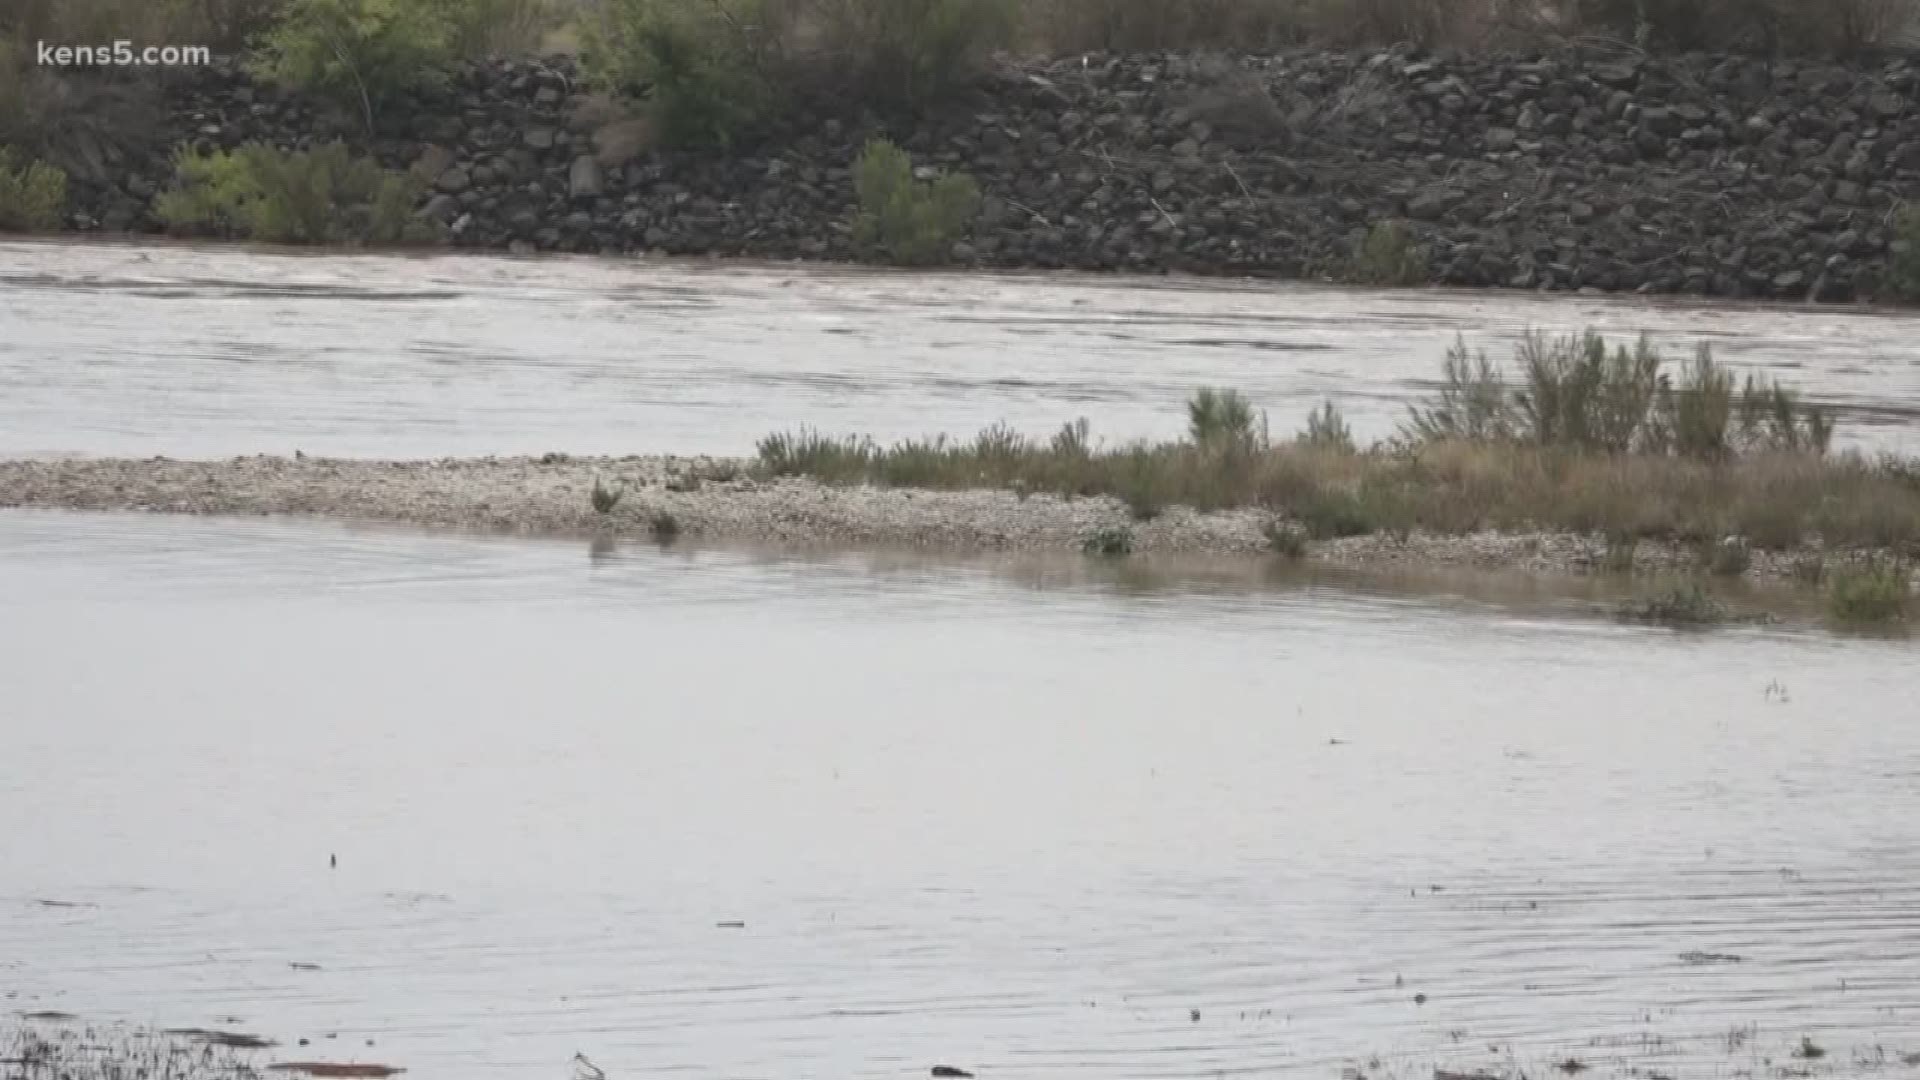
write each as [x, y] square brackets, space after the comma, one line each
[1573, 392]
[1686, 605]
[664, 526]
[364, 55]
[1387, 255]
[1472, 459]
[1903, 265]
[907, 220]
[1869, 594]
[33, 195]
[1327, 429]
[1109, 542]
[319, 196]
[1285, 539]
[603, 497]
[1731, 557]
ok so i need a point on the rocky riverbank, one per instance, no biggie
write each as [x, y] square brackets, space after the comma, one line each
[1725, 176]
[666, 498]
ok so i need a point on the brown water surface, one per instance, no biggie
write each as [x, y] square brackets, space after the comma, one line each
[196, 352]
[1025, 818]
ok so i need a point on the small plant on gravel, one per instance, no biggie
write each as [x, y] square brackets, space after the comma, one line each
[33, 195]
[664, 525]
[1809, 1050]
[1868, 594]
[1111, 541]
[1285, 539]
[604, 498]
[324, 195]
[1327, 429]
[903, 218]
[1686, 605]
[1387, 256]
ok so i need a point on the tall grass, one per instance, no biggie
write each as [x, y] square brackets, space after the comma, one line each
[1869, 594]
[1477, 461]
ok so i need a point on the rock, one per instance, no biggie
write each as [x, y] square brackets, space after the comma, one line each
[455, 180]
[583, 178]
[538, 138]
[1500, 139]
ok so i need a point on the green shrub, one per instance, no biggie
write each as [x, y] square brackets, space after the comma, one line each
[664, 526]
[1289, 541]
[707, 66]
[905, 219]
[363, 55]
[1686, 605]
[1222, 421]
[1575, 393]
[913, 52]
[1471, 405]
[1731, 557]
[1869, 593]
[319, 196]
[33, 195]
[1903, 267]
[603, 497]
[1109, 541]
[1327, 429]
[1388, 255]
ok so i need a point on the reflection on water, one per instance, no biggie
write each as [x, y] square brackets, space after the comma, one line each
[192, 352]
[994, 815]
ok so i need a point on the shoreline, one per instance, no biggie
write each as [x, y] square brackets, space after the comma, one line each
[666, 497]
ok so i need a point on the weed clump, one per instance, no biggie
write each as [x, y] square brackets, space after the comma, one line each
[1287, 540]
[1731, 557]
[319, 196]
[1869, 594]
[1686, 605]
[1111, 541]
[33, 194]
[664, 526]
[1327, 429]
[705, 65]
[905, 219]
[604, 498]
[1387, 256]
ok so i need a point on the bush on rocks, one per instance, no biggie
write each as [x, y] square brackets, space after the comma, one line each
[320, 196]
[361, 55]
[33, 195]
[706, 65]
[1387, 256]
[912, 52]
[1903, 265]
[905, 219]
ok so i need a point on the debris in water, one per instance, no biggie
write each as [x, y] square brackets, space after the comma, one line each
[584, 1069]
[731, 924]
[1571, 1066]
[1696, 957]
[1442, 1074]
[1193, 1015]
[301, 965]
[1809, 1049]
[333, 862]
[65, 903]
[950, 1071]
[238, 1040]
[340, 1070]
[1910, 1059]
[1419, 999]
[49, 1014]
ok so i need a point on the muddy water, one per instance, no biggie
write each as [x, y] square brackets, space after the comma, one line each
[207, 352]
[1000, 817]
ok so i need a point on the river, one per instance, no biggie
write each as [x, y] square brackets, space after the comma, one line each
[723, 812]
[206, 352]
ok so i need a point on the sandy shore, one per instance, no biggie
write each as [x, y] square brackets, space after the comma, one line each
[714, 498]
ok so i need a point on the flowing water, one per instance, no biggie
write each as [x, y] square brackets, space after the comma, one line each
[738, 814]
[193, 352]
[1023, 817]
